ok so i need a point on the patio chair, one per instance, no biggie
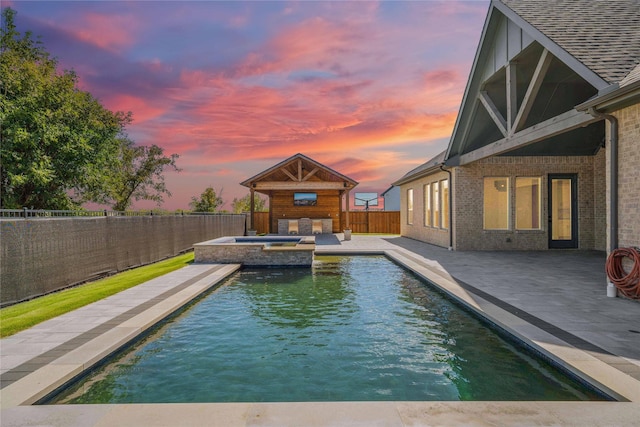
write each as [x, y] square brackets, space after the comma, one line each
[293, 226]
[316, 226]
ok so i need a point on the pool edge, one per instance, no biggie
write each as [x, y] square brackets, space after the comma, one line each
[585, 366]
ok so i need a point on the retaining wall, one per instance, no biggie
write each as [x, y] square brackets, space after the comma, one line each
[40, 256]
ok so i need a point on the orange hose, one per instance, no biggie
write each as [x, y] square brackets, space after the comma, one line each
[628, 283]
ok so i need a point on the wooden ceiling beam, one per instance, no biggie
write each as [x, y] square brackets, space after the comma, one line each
[289, 174]
[493, 111]
[549, 128]
[300, 186]
[310, 174]
[532, 91]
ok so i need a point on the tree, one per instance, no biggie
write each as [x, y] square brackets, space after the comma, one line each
[244, 204]
[137, 174]
[209, 201]
[57, 141]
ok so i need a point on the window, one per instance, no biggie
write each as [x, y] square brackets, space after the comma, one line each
[410, 206]
[427, 205]
[436, 204]
[496, 203]
[528, 203]
[444, 191]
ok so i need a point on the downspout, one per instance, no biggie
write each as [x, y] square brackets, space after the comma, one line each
[613, 176]
[450, 206]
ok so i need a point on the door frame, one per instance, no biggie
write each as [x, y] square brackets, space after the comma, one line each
[564, 244]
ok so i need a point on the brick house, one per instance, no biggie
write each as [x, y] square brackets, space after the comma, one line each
[549, 124]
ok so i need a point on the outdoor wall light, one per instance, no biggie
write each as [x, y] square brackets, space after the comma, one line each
[501, 185]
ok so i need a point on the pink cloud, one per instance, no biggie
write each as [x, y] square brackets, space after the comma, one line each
[142, 109]
[344, 82]
[109, 32]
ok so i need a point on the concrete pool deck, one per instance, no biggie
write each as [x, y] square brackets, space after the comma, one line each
[555, 301]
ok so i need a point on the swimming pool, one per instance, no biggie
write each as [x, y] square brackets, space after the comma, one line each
[349, 329]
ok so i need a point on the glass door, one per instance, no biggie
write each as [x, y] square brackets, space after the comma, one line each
[563, 213]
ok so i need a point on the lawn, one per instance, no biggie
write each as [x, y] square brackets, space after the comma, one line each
[24, 315]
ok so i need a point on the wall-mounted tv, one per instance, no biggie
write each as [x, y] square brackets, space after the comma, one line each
[305, 199]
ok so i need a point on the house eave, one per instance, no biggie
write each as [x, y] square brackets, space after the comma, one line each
[418, 175]
[614, 99]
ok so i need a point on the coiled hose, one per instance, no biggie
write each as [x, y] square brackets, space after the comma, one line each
[628, 283]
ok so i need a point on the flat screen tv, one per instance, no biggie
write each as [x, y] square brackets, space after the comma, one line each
[305, 199]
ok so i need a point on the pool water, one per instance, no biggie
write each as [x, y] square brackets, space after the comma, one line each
[349, 329]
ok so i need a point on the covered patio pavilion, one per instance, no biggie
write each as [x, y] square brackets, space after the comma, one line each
[301, 188]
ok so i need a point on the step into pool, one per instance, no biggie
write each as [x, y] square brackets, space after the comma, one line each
[351, 328]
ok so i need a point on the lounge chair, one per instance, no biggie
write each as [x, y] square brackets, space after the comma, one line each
[293, 226]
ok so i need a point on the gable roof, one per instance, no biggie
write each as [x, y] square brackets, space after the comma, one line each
[302, 170]
[597, 41]
[602, 35]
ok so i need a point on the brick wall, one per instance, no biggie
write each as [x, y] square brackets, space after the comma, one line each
[43, 255]
[418, 230]
[629, 176]
[468, 201]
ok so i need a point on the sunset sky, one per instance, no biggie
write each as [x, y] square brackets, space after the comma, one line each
[370, 89]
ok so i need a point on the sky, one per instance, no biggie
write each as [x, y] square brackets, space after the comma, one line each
[370, 89]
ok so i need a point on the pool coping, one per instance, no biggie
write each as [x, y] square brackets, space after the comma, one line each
[17, 397]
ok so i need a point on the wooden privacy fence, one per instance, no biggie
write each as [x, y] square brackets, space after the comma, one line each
[375, 222]
[261, 222]
[382, 222]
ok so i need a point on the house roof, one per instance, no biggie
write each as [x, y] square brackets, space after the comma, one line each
[632, 77]
[424, 169]
[593, 46]
[621, 95]
[602, 35]
[299, 171]
[388, 190]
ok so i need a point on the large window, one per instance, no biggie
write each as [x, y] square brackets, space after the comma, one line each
[410, 206]
[528, 203]
[427, 205]
[436, 204]
[444, 191]
[496, 203]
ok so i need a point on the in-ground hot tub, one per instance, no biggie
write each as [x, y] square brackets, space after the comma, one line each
[258, 250]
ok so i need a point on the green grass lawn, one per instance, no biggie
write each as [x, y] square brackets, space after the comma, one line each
[24, 315]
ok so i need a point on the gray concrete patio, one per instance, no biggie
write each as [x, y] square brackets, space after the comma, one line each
[554, 301]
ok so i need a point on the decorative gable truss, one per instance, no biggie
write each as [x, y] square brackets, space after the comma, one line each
[299, 173]
[519, 95]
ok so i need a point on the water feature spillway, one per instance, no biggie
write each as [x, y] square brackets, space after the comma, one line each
[294, 251]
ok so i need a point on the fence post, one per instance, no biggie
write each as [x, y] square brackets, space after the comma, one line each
[24, 212]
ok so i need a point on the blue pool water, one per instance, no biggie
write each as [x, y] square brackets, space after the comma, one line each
[349, 329]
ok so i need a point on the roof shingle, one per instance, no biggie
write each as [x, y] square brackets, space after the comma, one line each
[602, 34]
